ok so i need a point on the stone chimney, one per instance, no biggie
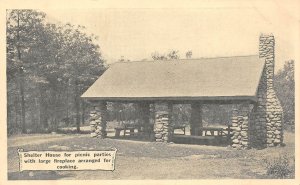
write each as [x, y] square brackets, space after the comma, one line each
[266, 51]
[267, 124]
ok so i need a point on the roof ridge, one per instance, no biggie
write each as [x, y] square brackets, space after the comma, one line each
[219, 57]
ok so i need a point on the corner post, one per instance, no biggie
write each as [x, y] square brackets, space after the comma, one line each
[240, 121]
[196, 119]
[98, 119]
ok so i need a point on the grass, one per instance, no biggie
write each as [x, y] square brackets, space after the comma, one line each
[280, 167]
[150, 160]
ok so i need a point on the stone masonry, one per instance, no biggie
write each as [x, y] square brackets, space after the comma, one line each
[266, 123]
[98, 121]
[267, 98]
[240, 122]
[254, 124]
[163, 127]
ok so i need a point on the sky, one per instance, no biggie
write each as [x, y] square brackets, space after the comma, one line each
[208, 31]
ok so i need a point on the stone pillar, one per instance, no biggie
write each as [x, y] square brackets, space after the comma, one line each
[98, 120]
[196, 118]
[240, 127]
[269, 110]
[163, 127]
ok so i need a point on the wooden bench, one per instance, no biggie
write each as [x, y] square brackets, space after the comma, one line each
[196, 137]
[213, 131]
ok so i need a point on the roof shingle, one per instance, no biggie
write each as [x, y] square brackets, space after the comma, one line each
[193, 79]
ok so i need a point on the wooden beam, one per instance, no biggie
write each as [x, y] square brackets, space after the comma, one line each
[226, 99]
[196, 117]
[145, 114]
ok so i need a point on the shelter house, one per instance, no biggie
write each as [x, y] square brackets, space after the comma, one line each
[243, 80]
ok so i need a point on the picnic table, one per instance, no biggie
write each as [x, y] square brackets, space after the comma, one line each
[130, 128]
[206, 135]
[181, 127]
[127, 128]
[214, 131]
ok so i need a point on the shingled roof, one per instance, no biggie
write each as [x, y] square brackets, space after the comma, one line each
[224, 78]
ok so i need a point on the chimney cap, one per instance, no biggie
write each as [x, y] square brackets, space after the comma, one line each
[266, 35]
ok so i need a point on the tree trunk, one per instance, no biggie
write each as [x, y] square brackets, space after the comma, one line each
[54, 107]
[67, 102]
[41, 110]
[16, 113]
[10, 124]
[77, 106]
[83, 111]
[22, 103]
[21, 79]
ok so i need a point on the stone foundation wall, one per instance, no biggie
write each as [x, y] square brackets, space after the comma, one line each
[274, 128]
[98, 121]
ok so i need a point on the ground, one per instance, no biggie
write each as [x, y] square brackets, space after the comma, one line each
[149, 160]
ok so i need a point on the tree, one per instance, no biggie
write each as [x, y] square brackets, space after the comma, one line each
[76, 64]
[156, 56]
[48, 66]
[23, 28]
[285, 89]
[171, 55]
[189, 54]
[122, 59]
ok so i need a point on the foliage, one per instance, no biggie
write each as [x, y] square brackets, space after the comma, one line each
[158, 56]
[122, 59]
[22, 34]
[189, 54]
[280, 167]
[284, 84]
[171, 55]
[48, 67]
